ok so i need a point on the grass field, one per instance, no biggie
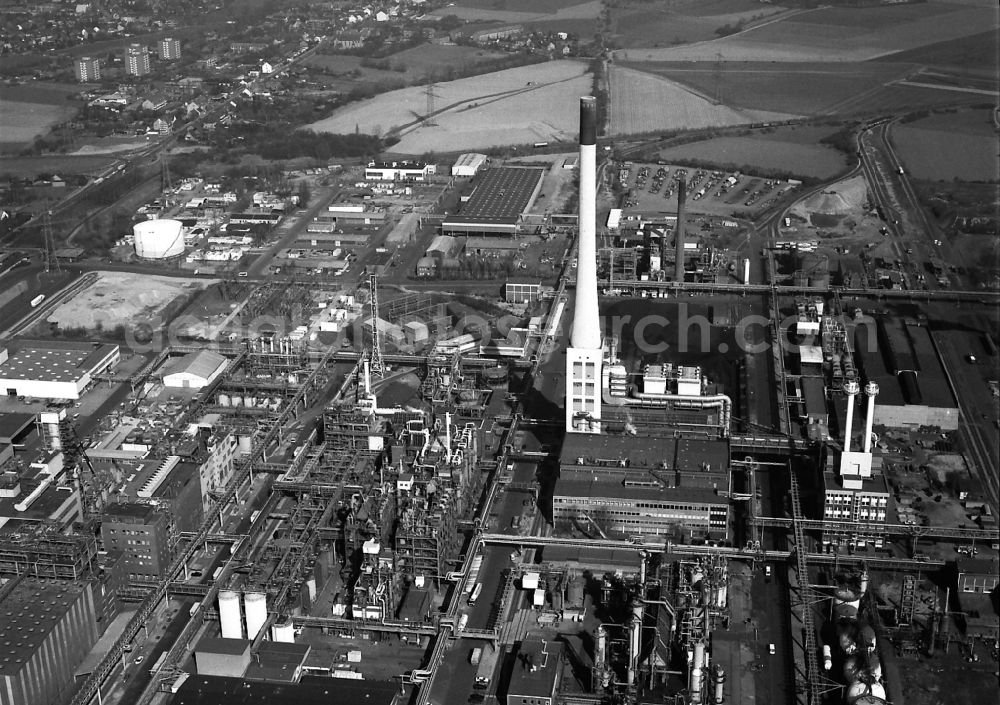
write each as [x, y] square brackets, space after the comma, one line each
[643, 103]
[516, 106]
[29, 167]
[521, 10]
[532, 6]
[432, 57]
[804, 89]
[949, 146]
[804, 36]
[29, 110]
[793, 149]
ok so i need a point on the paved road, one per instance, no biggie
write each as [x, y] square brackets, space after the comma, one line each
[774, 682]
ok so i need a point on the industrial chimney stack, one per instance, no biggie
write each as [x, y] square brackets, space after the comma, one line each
[584, 356]
[679, 239]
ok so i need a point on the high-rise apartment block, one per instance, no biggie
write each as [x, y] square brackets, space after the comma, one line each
[170, 49]
[88, 69]
[137, 60]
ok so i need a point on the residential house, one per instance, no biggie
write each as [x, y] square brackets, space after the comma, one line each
[156, 101]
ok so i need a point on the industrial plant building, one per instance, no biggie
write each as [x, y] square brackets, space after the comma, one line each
[47, 630]
[537, 673]
[659, 486]
[142, 533]
[53, 369]
[901, 358]
[499, 200]
[398, 171]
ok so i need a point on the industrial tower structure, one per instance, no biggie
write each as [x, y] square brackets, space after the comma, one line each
[377, 365]
[585, 353]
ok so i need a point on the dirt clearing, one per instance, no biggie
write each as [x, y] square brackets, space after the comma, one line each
[120, 298]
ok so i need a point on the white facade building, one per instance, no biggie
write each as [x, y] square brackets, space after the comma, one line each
[195, 370]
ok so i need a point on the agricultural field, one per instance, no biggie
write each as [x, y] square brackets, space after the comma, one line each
[976, 53]
[642, 103]
[795, 150]
[516, 106]
[798, 88]
[807, 36]
[949, 146]
[27, 111]
[646, 25]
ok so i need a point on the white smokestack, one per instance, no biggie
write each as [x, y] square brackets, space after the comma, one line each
[585, 354]
[586, 326]
[851, 388]
[871, 389]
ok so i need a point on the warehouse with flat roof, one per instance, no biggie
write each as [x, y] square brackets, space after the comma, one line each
[498, 202]
[53, 370]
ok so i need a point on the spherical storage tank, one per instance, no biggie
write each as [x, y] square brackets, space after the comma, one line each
[158, 239]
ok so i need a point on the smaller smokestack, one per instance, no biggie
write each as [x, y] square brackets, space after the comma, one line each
[851, 388]
[679, 239]
[871, 389]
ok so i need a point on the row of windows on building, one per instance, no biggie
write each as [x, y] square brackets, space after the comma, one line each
[874, 515]
[607, 503]
[863, 500]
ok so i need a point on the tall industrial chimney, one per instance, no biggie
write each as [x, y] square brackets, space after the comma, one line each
[851, 388]
[679, 239]
[871, 389]
[586, 327]
[585, 353]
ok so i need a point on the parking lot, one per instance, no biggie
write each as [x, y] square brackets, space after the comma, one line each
[654, 187]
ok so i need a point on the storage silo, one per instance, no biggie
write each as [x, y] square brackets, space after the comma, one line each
[255, 605]
[229, 615]
[158, 239]
[284, 632]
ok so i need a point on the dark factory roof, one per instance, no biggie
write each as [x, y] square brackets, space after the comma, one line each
[311, 690]
[908, 349]
[664, 452]
[13, 425]
[501, 195]
[29, 610]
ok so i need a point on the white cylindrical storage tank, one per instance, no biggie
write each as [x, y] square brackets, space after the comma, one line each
[859, 689]
[283, 633]
[255, 605]
[158, 239]
[229, 615]
[746, 271]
